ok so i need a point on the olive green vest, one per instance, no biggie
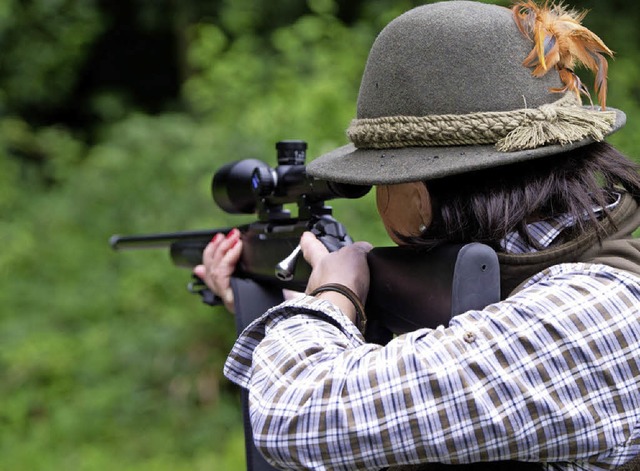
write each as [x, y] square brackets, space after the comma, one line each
[618, 250]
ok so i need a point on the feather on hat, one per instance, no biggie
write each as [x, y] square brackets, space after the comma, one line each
[561, 42]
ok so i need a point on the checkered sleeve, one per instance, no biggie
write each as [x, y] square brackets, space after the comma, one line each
[550, 375]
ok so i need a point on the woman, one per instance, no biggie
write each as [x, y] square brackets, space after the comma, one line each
[470, 127]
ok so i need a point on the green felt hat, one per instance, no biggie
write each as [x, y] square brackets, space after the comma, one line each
[445, 91]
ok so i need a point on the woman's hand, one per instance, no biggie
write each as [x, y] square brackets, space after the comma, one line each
[347, 266]
[219, 260]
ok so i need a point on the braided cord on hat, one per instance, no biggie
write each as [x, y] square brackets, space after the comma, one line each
[561, 122]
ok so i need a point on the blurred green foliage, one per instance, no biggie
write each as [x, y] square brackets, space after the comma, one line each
[113, 117]
[43, 43]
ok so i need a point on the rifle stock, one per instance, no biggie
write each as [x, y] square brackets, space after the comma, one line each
[410, 287]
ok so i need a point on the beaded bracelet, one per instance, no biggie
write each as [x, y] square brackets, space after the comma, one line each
[361, 318]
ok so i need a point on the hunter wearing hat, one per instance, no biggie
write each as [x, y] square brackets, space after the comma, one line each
[471, 125]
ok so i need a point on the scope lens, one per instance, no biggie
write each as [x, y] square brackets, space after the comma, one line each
[263, 181]
[255, 181]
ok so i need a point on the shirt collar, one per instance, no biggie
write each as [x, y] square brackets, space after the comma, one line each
[547, 231]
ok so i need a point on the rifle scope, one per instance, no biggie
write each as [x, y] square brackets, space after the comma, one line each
[241, 186]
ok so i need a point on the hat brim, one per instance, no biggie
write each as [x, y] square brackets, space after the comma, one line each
[348, 164]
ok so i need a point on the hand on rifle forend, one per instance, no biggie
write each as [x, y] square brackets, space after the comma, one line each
[219, 260]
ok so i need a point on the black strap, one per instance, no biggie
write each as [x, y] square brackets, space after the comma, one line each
[251, 300]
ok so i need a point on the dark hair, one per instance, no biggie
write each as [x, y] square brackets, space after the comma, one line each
[484, 206]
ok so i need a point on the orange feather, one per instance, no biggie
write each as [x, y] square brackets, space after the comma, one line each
[561, 42]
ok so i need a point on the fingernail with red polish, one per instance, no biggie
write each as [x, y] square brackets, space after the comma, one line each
[216, 237]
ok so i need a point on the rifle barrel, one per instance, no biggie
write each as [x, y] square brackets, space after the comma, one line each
[160, 240]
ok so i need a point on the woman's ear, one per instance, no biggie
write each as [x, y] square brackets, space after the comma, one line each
[405, 209]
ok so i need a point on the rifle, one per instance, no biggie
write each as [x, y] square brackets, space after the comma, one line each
[410, 287]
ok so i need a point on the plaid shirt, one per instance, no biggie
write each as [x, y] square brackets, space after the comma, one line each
[551, 375]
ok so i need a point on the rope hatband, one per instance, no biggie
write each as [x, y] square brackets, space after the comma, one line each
[561, 122]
